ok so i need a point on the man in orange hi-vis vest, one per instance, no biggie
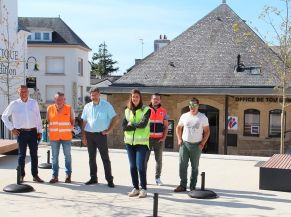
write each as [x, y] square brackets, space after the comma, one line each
[61, 118]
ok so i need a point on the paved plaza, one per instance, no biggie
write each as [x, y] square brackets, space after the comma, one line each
[234, 178]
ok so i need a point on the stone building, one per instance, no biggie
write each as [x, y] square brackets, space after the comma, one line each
[221, 61]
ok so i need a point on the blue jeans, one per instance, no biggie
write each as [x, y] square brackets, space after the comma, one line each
[55, 146]
[137, 161]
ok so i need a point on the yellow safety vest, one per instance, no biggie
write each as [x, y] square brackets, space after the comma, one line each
[139, 136]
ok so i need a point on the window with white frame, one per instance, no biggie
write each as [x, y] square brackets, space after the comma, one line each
[251, 122]
[40, 36]
[275, 123]
[80, 66]
[46, 36]
[80, 94]
[37, 36]
[51, 91]
[55, 65]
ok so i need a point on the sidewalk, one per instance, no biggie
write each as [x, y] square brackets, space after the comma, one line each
[234, 178]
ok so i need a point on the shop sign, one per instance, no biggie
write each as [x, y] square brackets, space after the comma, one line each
[260, 99]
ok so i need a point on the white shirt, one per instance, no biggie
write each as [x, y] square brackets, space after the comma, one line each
[24, 115]
[193, 126]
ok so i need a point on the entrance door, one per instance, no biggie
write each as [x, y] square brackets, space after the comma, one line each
[212, 114]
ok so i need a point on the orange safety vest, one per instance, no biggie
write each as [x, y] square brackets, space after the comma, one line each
[157, 122]
[60, 127]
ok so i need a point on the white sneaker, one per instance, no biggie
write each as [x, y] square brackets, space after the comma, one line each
[159, 182]
[133, 193]
[142, 193]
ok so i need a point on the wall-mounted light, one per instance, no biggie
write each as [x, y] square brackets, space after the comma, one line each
[36, 67]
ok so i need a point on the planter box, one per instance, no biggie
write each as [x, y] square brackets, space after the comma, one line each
[275, 174]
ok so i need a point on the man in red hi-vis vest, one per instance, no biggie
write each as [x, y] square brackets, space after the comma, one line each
[158, 133]
[61, 120]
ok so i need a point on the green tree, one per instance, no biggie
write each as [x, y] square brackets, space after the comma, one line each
[279, 39]
[282, 42]
[102, 63]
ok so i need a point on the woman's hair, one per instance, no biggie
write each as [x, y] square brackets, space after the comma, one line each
[130, 105]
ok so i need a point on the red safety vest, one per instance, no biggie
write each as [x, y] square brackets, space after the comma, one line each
[157, 122]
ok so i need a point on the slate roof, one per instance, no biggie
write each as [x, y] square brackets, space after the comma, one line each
[205, 56]
[61, 32]
[94, 81]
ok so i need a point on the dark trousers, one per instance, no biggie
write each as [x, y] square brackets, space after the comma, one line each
[28, 138]
[94, 141]
[137, 161]
[158, 150]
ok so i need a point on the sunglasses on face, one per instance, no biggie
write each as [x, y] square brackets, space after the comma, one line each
[193, 105]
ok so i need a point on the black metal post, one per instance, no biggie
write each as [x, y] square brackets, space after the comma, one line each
[156, 200]
[18, 175]
[225, 124]
[48, 156]
[18, 187]
[46, 165]
[202, 181]
[46, 132]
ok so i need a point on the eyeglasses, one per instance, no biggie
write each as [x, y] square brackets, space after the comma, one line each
[193, 105]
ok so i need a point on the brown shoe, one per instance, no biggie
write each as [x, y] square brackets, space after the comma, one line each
[68, 179]
[37, 179]
[54, 180]
[180, 188]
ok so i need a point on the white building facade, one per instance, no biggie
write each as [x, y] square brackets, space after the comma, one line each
[62, 58]
[12, 53]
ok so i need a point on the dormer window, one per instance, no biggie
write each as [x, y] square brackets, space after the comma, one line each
[40, 36]
[37, 36]
[251, 70]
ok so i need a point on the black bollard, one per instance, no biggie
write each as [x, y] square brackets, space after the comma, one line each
[47, 165]
[18, 188]
[202, 181]
[202, 193]
[18, 175]
[46, 132]
[156, 202]
[48, 156]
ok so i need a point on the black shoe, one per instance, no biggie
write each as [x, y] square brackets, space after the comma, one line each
[91, 182]
[21, 179]
[111, 184]
[192, 188]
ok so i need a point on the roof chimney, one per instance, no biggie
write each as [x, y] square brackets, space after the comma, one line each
[223, 1]
[162, 42]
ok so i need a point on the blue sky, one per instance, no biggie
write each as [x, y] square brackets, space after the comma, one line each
[122, 23]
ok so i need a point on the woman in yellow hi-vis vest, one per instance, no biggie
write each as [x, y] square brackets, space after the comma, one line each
[136, 138]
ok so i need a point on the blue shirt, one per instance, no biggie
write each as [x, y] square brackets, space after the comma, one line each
[98, 116]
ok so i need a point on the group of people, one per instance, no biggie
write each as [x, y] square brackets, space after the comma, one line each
[145, 128]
